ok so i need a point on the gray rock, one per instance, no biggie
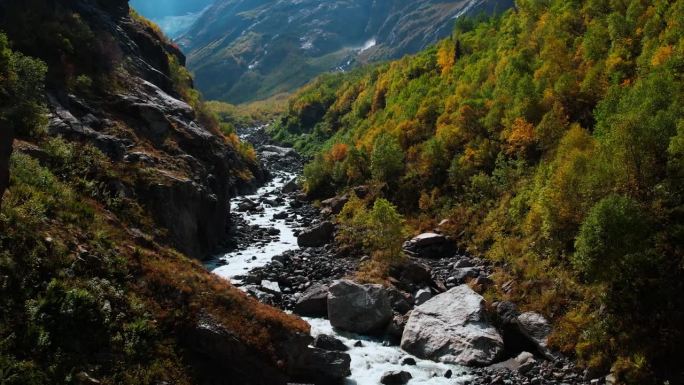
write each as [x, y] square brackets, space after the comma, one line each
[358, 308]
[409, 361]
[313, 302]
[326, 342]
[452, 327]
[395, 378]
[316, 236]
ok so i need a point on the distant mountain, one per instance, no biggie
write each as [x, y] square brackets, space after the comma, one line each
[242, 50]
[173, 16]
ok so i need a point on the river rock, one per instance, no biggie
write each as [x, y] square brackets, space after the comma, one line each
[396, 378]
[313, 302]
[452, 327]
[317, 236]
[322, 366]
[290, 187]
[358, 308]
[326, 342]
[429, 245]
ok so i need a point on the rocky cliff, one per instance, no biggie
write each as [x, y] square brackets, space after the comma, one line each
[250, 49]
[113, 82]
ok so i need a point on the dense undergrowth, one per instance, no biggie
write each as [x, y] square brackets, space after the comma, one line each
[553, 140]
[85, 295]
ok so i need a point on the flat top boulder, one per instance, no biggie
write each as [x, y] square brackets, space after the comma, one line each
[358, 308]
[452, 327]
[427, 239]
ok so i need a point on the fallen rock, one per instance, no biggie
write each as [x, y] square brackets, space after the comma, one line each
[358, 308]
[313, 302]
[452, 327]
[326, 342]
[430, 245]
[395, 378]
[316, 236]
[409, 361]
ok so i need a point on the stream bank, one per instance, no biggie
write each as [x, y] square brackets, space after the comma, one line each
[266, 261]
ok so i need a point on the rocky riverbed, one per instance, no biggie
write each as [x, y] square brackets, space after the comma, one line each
[283, 253]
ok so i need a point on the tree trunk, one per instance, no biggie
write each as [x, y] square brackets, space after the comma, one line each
[6, 140]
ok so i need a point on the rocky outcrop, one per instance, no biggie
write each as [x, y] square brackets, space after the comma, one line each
[317, 236]
[183, 172]
[358, 308]
[430, 245]
[453, 327]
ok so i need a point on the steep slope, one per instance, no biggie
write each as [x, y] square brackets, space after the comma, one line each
[252, 49]
[552, 141]
[114, 163]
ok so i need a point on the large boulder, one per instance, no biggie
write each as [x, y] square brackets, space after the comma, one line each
[536, 328]
[313, 302]
[452, 327]
[358, 308]
[317, 236]
[430, 245]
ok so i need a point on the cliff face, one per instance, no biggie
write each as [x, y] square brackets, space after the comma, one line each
[114, 84]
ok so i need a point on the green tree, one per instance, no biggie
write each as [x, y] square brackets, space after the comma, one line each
[387, 158]
[615, 230]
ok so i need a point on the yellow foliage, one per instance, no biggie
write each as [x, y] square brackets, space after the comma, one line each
[446, 56]
[521, 137]
[661, 55]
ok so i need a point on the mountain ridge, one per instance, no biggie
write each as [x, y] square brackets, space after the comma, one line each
[251, 49]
